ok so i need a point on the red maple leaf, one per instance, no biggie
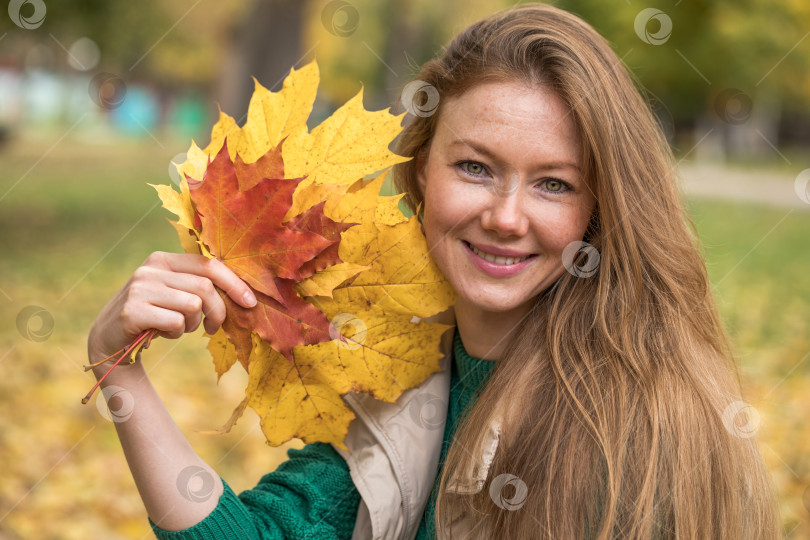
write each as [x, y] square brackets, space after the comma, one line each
[283, 326]
[241, 211]
[243, 229]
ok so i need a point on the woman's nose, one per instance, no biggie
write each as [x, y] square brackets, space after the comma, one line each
[504, 214]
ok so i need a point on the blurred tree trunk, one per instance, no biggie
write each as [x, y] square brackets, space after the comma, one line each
[265, 45]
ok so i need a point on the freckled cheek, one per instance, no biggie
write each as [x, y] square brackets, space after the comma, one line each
[438, 232]
[440, 243]
[446, 209]
[433, 222]
[555, 232]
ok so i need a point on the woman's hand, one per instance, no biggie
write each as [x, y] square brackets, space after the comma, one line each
[169, 292]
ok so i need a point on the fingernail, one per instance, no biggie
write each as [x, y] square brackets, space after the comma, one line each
[249, 299]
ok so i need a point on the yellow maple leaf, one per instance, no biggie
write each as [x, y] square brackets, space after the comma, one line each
[271, 116]
[222, 351]
[348, 145]
[180, 204]
[388, 212]
[402, 276]
[303, 399]
[324, 282]
[195, 164]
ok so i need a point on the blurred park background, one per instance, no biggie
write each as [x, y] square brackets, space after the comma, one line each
[97, 98]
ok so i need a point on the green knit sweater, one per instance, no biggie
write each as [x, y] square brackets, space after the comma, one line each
[312, 495]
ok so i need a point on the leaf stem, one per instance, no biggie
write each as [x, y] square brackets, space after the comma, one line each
[144, 339]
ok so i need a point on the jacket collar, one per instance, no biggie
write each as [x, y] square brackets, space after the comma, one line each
[394, 453]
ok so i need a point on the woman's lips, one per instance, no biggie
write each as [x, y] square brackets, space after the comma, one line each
[499, 252]
[495, 269]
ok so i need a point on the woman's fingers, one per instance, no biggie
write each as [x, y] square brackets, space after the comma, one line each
[212, 305]
[196, 275]
[213, 269]
[170, 324]
[171, 292]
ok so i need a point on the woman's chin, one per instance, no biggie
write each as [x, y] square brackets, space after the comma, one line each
[493, 303]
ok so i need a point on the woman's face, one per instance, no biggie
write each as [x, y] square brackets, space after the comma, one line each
[502, 176]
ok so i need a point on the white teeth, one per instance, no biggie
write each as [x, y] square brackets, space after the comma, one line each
[497, 259]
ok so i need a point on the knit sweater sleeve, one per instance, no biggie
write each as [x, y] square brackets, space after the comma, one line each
[311, 495]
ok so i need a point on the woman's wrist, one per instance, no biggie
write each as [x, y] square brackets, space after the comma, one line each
[122, 372]
[95, 356]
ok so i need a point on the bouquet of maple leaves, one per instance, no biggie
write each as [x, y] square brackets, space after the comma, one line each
[342, 277]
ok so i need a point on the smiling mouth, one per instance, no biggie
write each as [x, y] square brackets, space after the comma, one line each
[496, 259]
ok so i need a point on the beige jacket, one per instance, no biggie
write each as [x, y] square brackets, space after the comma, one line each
[394, 458]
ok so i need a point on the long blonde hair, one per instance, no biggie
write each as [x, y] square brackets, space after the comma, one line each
[621, 390]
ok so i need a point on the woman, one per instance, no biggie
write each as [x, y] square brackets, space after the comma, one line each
[592, 382]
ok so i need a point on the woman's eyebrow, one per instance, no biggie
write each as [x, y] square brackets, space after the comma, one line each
[485, 151]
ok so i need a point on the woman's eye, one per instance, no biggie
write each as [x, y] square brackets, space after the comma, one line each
[554, 185]
[472, 167]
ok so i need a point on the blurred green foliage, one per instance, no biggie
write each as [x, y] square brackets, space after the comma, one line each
[751, 45]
